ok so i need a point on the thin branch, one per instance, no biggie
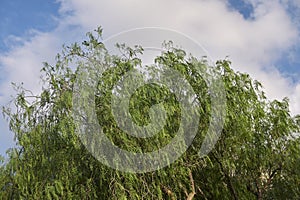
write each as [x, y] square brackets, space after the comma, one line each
[168, 192]
[192, 194]
[201, 192]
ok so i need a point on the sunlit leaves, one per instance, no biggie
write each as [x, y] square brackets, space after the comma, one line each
[257, 156]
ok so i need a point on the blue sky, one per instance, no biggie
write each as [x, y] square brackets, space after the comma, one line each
[245, 30]
[18, 17]
[245, 8]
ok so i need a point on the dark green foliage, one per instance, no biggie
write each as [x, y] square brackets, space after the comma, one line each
[257, 156]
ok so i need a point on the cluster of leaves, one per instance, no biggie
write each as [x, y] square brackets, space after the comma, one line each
[255, 158]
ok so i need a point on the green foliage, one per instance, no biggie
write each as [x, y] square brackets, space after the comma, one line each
[255, 158]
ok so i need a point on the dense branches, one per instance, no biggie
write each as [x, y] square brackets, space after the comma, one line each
[256, 157]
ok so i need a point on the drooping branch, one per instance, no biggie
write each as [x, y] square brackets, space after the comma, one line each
[228, 180]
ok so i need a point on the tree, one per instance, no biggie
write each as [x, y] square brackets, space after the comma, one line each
[255, 158]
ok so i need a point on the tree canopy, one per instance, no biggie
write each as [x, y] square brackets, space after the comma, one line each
[256, 157]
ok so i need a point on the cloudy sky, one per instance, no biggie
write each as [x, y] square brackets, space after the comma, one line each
[261, 37]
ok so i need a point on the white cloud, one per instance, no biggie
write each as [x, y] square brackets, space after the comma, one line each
[253, 45]
[23, 63]
[295, 100]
